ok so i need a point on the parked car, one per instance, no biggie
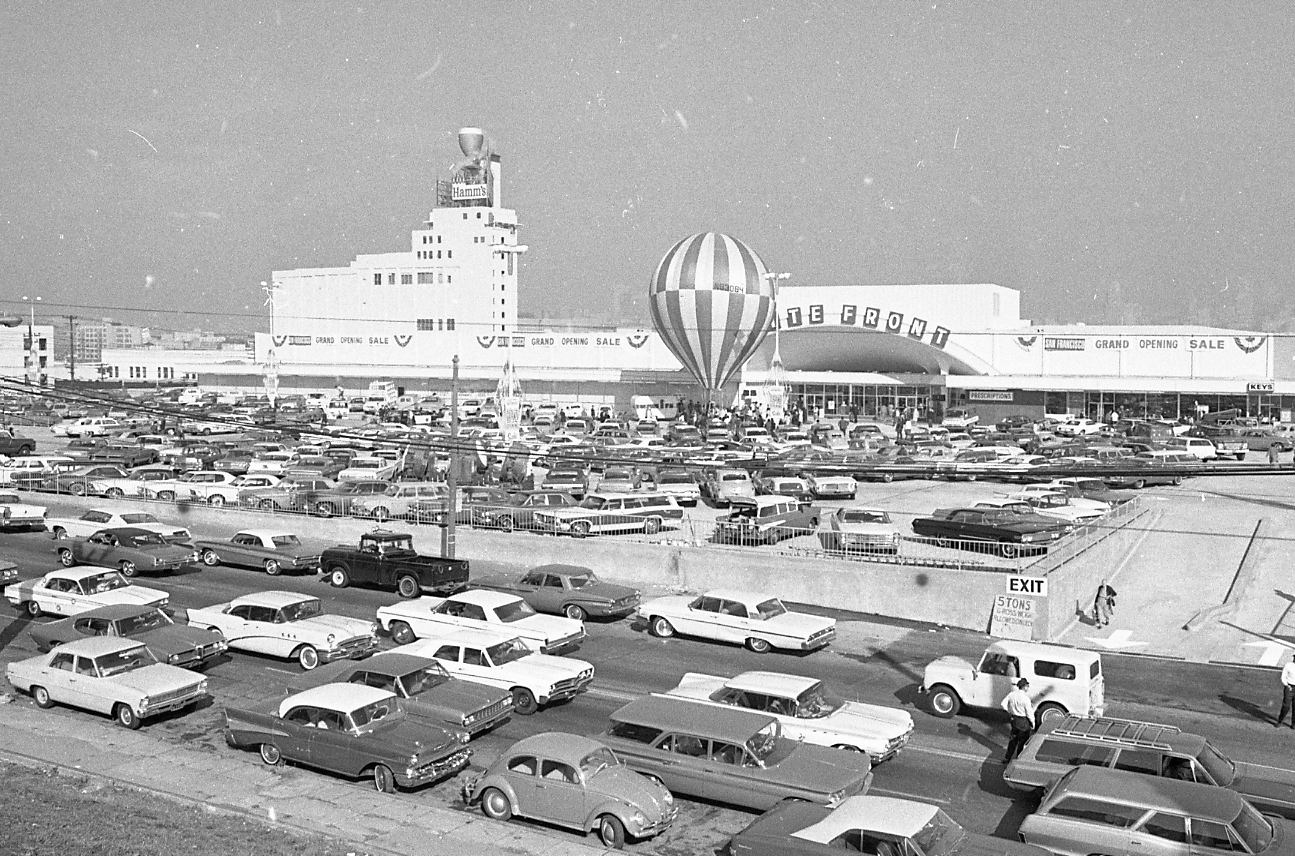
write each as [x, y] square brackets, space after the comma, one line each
[1091, 810]
[463, 708]
[570, 590]
[351, 730]
[97, 519]
[128, 549]
[722, 487]
[109, 675]
[171, 643]
[398, 499]
[806, 710]
[758, 621]
[480, 609]
[883, 826]
[499, 659]
[832, 487]
[1011, 534]
[598, 792]
[388, 560]
[574, 482]
[271, 550]
[738, 757]
[1201, 448]
[783, 485]
[519, 512]
[959, 419]
[1061, 506]
[90, 426]
[1062, 680]
[680, 484]
[860, 530]
[765, 520]
[289, 625]
[337, 502]
[612, 513]
[1148, 748]
[68, 591]
[16, 514]
[368, 468]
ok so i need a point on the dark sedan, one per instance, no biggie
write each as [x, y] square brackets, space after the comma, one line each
[1012, 534]
[569, 590]
[127, 549]
[176, 644]
[519, 511]
[337, 502]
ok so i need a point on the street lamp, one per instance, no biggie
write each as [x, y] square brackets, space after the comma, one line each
[508, 392]
[775, 382]
[33, 353]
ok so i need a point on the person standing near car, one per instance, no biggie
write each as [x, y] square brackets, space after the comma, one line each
[1288, 694]
[1021, 710]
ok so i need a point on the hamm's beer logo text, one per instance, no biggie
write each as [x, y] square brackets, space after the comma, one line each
[870, 317]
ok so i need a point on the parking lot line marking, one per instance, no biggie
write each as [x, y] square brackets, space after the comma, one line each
[907, 795]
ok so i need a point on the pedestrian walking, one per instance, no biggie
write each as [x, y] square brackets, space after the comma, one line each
[1021, 710]
[1288, 694]
[1274, 453]
[1103, 604]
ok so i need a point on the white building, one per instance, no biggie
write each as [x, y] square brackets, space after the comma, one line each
[16, 354]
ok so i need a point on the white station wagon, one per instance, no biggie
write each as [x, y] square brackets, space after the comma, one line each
[807, 711]
[499, 659]
[480, 609]
[758, 621]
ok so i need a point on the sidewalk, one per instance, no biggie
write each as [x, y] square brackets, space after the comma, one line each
[301, 800]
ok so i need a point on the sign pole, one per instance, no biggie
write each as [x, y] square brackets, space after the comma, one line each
[452, 480]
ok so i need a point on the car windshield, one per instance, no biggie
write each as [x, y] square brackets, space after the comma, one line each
[146, 539]
[856, 516]
[564, 478]
[675, 478]
[515, 611]
[770, 608]
[507, 652]
[592, 502]
[598, 760]
[384, 710]
[123, 661]
[420, 680]
[764, 741]
[733, 477]
[1253, 828]
[103, 582]
[1220, 767]
[940, 836]
[151, 620]
[136, 518]
[581, 580]
[816, 703]
[608, 475]
[303, 609]
[285, 541]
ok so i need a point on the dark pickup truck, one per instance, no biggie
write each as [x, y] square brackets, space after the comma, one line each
[388, 560]
[11, 445]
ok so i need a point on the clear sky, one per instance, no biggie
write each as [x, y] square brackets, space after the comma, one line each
[1112, 161]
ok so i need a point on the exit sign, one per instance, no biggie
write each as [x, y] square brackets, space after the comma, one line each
[1033, 586]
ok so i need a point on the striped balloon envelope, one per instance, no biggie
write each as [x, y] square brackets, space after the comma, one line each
[712, 304]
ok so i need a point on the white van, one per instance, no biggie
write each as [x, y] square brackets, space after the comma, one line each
[382, 393]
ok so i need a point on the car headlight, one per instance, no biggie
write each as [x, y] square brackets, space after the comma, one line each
[173, 659]
[669, 797]
[373, 628]
[835, 797]
[202, 686]
[638, 819]
[413, 761]
[1027, 537]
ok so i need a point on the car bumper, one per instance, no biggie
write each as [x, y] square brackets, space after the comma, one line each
[652, 829]
[351, 650]
[196, 657]
[561, 646]
[156, 708]
[567, 691]
[608, 610]
[893, 746]
[433, 770]
[819, 640]
[487, 718]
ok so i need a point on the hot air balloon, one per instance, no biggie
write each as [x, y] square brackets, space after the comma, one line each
[712, 304]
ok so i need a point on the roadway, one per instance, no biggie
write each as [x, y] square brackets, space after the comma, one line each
[951, 762]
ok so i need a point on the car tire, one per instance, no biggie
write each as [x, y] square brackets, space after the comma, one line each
[408, 588]
[324, 509]
[651, 526]
[380, 514]
[1049, 712]
[114, 493]
[524, 703]
[339, 577]
[307, 657]
[507, 524]
[759, 646]
[384, 782]
[126, 717]
[273, 568]
[210, 559]
[660, 627]
[495, 805]
[77, 489]
[166, 496]
[271, 755]
[128, 569]
[611, 832]
[59, 533]
[1178, 480]
[65, 557]
[33, 609]
[402, 633]
[575, 612]
[41, 696]
[581, 529]
[945, 702]
[216, 500]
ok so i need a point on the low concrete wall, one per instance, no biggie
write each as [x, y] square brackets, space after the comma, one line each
[952, 597]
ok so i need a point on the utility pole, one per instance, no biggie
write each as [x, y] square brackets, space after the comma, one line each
[452, 476]
[71, 347]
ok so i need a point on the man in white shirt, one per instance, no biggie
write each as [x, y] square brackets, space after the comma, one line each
[1021, 709]
[1288, 693]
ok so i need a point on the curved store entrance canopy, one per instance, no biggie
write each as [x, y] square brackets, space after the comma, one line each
[855, 350]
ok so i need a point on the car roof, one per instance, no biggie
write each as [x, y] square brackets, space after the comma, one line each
[672, 714]
[393, 662]
[80, 573]
[268, 534]
[483, 597]
[887, 815]
[474, 636]
[1123, 732]
[1038, 649]
[114, 611]
[558, 568]
[273, 598]
[788, 686]
[126, 531]
[556, 744]
[95, 646]
[338, 696]
[764, 501]
[1197, 800]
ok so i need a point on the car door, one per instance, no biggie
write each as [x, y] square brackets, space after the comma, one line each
[699, 618]
[1161, 834]
[726, 780]
[84, 688]
[98, 549]
[532, 588]
[995, 677]
[59, 678]
[241, 550]
[298, 728]
[681, 762]
[558, 795]
[333, 746]
[59, 597]
[733, 622]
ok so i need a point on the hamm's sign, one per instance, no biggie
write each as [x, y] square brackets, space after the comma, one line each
[863, 317]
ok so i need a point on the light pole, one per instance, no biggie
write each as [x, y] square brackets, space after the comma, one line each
[271, 359]
[508, 392]
[33, 354]
[775, 382]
